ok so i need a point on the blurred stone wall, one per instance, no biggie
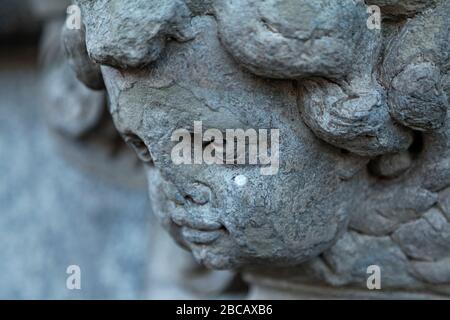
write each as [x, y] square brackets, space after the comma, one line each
[52, 214]
[54, 211]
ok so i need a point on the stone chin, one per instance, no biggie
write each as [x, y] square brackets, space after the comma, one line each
[219, 255]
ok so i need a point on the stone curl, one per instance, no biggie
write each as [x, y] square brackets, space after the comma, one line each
[326, 46]
[345, 97]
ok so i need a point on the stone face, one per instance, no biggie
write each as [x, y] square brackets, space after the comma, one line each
[363, 120]
[254, 221]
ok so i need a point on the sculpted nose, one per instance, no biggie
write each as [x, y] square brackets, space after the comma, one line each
[133, 38]
[197, 215]
[198, 193]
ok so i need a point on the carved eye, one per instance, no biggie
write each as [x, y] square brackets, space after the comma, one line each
[221, 148]
[139, 147]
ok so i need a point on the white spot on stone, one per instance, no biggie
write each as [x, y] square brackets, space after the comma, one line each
[240, 180]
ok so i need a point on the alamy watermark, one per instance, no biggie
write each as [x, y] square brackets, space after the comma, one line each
[232, 147]
[73, 20]
[73, 281]
[374, 280]
[374, 20]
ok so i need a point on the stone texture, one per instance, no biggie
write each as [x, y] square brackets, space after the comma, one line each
[417, 98]
[427, 238]
[171, 95]
[403, 7]
[385, 208]
[347, 262]
[138, 33]
[363, 116]
[444, 202]
[435, 272]
[391, 165]
[281, 39]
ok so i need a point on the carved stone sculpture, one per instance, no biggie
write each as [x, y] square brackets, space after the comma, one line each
[364, 171]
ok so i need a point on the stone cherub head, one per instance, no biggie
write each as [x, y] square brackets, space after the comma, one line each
[362, 116]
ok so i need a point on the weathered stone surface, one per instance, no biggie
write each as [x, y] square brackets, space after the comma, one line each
[425, 239]
[391, 165]
[385, 208]
[255, 223]
[347, 262]
[341, 94]
[293, 38]
[417, 98]
[444, 202]
[359, 123]
[137, 34]
[403, 7]
[436, 272]
[91, 144]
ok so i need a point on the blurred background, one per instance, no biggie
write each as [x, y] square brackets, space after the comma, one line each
[71, 192]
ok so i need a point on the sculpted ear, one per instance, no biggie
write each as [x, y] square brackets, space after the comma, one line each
[375, 115]
[417, 79]
[87, 71]
[356, 119]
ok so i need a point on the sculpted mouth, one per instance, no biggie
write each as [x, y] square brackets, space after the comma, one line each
[197, 236]
[197, 230]
[197, 224]
[188, 219]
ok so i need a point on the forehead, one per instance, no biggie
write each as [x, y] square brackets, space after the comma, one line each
[198, 80]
